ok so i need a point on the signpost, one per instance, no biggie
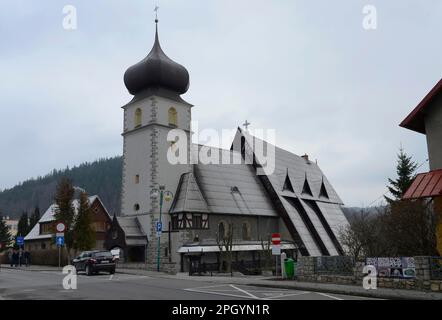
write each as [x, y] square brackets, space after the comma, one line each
[59, 240]
[159, 228]
[276, 249]
[20, 241]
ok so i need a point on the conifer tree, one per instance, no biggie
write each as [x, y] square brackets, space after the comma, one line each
[5, 235]
[35, 217]
[84, 233]
[64, 211]
[405, 175]
[23, 225]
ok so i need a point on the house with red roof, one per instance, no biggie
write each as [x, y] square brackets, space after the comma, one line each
[426, 119]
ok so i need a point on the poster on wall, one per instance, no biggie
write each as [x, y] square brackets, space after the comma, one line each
[393, 267]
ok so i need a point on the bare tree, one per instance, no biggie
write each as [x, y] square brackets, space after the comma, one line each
[266, 245]
[225, 244]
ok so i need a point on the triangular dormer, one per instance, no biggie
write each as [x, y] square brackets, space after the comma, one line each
[288, 184]
[306, 188]
[323, 193]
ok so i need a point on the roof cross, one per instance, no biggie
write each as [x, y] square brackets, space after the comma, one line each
[246, 125]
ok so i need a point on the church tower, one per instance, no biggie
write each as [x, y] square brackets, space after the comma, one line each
[156, 83]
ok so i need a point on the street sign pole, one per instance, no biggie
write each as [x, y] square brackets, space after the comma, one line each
[159, 233]
[59, 257]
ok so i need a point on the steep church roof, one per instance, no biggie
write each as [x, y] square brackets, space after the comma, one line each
[314, 218]
[157, 70]
[189, 197]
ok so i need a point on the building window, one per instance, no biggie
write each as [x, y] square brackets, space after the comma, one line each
[197, 221]
[138, 117]
[100, 226]
[136, 207]
[46, 228]
[137, 179]
[173, 121]
[246, 231]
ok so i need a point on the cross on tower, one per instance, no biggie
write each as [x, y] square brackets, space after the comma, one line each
[246, 125]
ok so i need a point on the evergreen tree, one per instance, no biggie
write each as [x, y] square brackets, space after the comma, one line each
[405, 175]
[5, 235]
[64, 211]
[23, 225]
[34, 218]
[83, 230]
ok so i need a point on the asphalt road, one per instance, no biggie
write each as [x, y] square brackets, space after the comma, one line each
[48, 285]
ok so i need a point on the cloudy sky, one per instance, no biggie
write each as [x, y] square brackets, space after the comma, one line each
[308, 69]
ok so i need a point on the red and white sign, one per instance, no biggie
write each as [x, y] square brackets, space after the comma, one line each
[276, 238]
[61, 227]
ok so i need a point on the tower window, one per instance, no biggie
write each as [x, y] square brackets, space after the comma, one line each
[136, 207]
[137, 179]
[173, 121]
[138, 117]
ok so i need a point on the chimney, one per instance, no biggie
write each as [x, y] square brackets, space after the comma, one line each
[305, 157]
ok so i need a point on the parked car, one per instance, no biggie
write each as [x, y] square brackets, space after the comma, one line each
[92, 262]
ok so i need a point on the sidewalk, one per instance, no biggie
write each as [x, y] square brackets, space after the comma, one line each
[260, 281]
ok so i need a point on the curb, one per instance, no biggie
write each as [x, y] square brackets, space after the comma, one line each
[367, 294]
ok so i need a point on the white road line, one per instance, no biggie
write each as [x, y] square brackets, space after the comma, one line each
[219, 293]
[244, 291]
[328, 296]
[289, 295]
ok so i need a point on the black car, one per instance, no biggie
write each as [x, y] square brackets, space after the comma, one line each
[92, 262]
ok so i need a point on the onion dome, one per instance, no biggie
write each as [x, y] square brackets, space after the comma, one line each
[157, 70]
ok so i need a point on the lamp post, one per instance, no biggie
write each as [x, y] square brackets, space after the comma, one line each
[164, 195]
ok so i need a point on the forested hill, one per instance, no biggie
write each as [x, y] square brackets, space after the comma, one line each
[102, 177]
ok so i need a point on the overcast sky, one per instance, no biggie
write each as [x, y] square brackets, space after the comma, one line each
[308, 69]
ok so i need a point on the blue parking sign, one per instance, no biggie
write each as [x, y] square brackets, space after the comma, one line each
[60, 241]
[159, 227]
[20, 241]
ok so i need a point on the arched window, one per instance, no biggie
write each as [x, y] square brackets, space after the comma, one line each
[138, 117]
[173, 121]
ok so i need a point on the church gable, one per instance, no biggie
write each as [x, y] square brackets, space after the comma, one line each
[189, 196]
[306, 190]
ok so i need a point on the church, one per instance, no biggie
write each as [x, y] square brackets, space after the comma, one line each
[201, 205]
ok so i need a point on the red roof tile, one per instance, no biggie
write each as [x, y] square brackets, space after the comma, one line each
[426, 185]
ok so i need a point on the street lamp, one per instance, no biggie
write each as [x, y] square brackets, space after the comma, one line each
[164, 195]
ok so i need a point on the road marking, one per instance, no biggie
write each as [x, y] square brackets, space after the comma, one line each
[219, 293]
[289, 295]
[328, 296]
[244, 291]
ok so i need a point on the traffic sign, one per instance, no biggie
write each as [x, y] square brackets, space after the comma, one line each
[20, 241]
[61, 227]
[60, 241]
[159, 227]
[276, 250]
[276, 238]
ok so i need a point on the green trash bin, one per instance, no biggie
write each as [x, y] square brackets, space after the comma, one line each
[290, 267]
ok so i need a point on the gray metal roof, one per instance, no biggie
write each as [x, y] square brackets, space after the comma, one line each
[131, 226]
[313, 231]
[189, 197]
[233, 189]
